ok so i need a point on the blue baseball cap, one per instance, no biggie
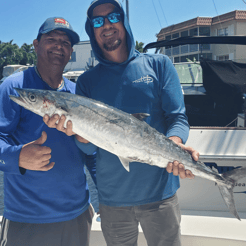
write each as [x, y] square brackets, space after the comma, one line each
[59, 23]
[95, 3]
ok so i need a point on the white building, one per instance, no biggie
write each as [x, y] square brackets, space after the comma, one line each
[82, 57]
[229, 24]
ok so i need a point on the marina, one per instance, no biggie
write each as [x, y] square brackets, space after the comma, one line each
[218, 132]
[205, 218]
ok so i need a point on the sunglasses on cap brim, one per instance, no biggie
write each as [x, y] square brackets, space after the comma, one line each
[98, 21]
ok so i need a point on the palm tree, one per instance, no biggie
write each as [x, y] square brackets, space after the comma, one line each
[139, 46]
[11, 54]
[29, 55]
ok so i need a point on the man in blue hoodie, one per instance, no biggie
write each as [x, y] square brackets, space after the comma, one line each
[134, 83]
[46, 196]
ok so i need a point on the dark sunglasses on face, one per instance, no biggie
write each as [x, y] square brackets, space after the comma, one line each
[99, 21]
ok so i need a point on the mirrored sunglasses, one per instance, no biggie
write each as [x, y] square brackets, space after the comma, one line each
[99, 21]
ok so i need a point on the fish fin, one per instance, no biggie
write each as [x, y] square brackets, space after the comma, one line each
[63, 109]
[235, 174]
[227, 191]
[141, 116]
[215, 169]
[228, 197]
[125, 163]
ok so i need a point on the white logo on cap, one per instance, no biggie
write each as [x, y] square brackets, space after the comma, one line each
[59, 21]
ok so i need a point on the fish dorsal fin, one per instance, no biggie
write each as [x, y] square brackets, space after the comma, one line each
[141, 116]
[125, 163]
[63, 109]
[215, 170]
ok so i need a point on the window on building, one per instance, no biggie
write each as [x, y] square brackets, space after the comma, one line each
[204, 47]
[184, 33]
[222, 32]
[206, 55]
[176, 59]
[175, 35]
[184, 49]
[175, 50]
[204, 31]
[73, 57]
[169, 37]
[184, 58]
[175, 47]
[209, 56]
[194, 32]
[168, 52]
[222, 58]
[193, 47]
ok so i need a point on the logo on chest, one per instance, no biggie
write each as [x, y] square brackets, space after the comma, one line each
[144, 79]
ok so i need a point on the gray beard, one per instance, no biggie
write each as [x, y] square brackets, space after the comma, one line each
[112, 45]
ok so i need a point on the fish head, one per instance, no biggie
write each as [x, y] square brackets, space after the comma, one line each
[40, 102]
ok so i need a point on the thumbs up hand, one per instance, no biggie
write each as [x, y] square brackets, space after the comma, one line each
[33, 156]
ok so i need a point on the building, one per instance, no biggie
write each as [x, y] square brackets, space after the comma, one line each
[82, 57]
[229, 24]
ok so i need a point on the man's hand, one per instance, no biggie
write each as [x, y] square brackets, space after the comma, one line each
[51, 122]
[33, 156]
[178, 168]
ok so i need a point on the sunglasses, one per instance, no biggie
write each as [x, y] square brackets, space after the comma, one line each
[99, 21]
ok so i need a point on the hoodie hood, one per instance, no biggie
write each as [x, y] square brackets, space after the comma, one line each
[89, 29]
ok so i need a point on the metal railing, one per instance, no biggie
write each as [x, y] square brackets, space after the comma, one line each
[188, 48]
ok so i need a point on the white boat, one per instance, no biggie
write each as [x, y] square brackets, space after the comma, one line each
[205, 218]
[205, 229]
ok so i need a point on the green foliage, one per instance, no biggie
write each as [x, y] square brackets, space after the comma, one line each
[139, 46]
[11, 54]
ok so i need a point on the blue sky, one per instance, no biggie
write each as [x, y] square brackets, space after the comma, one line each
[21, 19]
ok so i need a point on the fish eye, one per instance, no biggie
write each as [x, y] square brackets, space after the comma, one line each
[32, 97]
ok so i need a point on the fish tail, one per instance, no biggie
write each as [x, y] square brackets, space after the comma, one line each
[226, 191]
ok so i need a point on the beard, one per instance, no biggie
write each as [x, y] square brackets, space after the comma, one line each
[112, 44]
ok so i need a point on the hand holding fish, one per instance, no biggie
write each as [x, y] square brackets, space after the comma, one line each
[55, 121]
[178, 168]
[33, 156]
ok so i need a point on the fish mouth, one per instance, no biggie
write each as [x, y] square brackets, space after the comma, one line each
[19, 100]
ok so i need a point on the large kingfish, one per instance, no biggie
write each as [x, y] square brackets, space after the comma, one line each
[124, 135]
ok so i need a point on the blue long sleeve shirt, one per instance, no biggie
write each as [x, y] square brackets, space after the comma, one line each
[143, 83]
[56, 195]
[147, 84]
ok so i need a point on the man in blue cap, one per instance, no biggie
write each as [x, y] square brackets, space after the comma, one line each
[133, 82]
[45, 189]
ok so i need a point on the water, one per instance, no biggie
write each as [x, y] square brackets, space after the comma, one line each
[92, 188]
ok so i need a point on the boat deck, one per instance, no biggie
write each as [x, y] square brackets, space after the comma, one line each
[207, 229]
